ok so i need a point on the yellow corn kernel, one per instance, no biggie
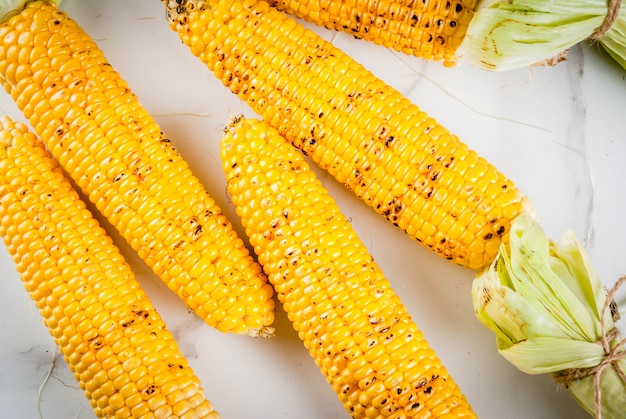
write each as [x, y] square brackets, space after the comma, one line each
[429, 29]
[116, 153]
[75, 284]
[351, 321]
[365, 133]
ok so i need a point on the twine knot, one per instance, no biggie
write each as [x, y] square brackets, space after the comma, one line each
[611, 354]
[609, 20]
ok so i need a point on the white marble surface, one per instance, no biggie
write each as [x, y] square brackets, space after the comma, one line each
[559, 133]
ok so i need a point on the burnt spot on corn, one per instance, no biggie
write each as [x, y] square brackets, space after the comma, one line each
[97, 342]
[128, 323]
[141, 314]
[150, 390]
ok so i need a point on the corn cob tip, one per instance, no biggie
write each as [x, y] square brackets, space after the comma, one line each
[264, 332]
[231, 125]
[176, 11]
[172, 10]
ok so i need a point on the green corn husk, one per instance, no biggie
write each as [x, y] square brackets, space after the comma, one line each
[510, 34]
[545, 303]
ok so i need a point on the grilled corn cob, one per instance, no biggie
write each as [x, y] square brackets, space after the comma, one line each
[429, 29]
[116, 344]
[366, 134]
[116, 153]
[344, 310]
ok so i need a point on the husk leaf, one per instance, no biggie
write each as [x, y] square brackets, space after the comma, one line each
[542, 355]
[614, 42]
[511, 34]
[544, 301]
[612, 390]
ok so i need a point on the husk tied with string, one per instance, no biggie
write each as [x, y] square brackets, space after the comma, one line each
[551, 315]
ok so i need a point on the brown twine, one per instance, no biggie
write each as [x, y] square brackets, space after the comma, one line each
[609, 19]
[612, 355]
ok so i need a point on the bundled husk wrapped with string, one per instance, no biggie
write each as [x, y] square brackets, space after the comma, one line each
[551, 315]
